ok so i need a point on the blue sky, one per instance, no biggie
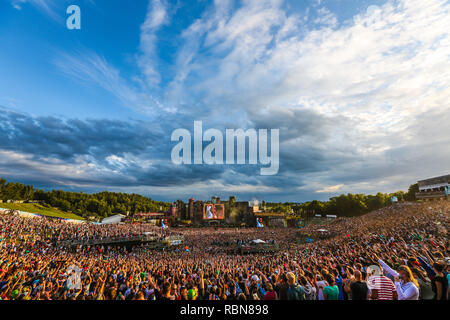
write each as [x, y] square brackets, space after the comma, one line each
[358, 89]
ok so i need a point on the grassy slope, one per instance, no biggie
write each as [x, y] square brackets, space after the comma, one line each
[39, 209]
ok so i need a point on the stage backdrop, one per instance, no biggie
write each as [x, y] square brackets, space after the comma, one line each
[213, 211]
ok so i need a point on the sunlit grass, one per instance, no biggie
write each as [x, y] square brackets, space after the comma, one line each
[40, 209]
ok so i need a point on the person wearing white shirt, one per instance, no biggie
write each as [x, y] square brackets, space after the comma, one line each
[406, 285]
[321, 284]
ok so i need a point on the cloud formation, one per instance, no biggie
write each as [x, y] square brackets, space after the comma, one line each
[361, 104]
[331, 189]
[47, 7]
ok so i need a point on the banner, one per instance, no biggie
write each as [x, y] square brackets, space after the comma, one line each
[74, 279]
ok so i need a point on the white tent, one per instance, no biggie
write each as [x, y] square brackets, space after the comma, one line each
[258, 241]
[113, 219]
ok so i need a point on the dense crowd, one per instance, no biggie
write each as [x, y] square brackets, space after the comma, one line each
[399, 252]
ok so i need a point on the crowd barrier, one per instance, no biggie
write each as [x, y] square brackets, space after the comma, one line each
[120, 240]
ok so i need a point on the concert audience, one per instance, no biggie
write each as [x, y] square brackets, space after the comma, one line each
[406, 242]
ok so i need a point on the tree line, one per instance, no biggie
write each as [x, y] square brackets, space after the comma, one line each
[102, 204]
[344, 205]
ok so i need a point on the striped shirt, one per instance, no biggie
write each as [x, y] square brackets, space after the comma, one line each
[384, 286]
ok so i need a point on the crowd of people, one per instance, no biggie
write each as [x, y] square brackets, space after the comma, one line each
[399, 252]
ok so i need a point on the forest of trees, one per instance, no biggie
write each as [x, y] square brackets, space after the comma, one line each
[101, 204]
[105, 203]
[345, 205]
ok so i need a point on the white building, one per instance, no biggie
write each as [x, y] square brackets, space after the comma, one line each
[113, 219]
[434, 188]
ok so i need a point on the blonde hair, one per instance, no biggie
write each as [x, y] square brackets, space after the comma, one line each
[290, 277]
[408, 271]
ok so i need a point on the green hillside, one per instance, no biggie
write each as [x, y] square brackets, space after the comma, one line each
[101, 205]
[39, 209]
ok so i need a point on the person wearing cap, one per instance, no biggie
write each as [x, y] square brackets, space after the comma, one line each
[295, 292]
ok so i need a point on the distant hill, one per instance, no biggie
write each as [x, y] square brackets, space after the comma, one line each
[102, 204]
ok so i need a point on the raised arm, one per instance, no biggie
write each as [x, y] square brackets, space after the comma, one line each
[388, 269]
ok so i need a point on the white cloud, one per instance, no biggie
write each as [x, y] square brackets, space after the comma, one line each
[201, 190]
[330, 189]
[47, 7]
[369, 70]
[156, 17]
[88, 67]
[326, 17]
[380, 72]
[53, 168]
